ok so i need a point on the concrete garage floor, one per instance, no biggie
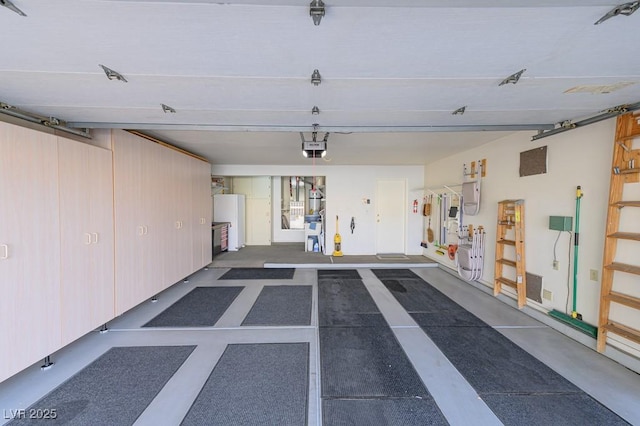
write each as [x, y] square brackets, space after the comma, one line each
[283, 254]
[607, 381]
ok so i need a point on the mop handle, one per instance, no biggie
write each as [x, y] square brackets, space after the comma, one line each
[576, 240]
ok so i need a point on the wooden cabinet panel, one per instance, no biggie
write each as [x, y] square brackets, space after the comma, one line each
[130, 228]
[86, 226]
[202, 213]
[155, 217]
[153, 211]
[29, 248]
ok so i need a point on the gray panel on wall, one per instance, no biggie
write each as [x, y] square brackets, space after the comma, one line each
[533, 162]
[534, 287]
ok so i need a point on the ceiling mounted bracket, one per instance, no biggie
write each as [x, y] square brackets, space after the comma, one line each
[316, 78]
[622, 9]
[51, 122]
[316, 10]
[113, 75]
[567, 124]
[9, 5]
[460, 110]
[513, 78]
[167, 108]
[563, 126]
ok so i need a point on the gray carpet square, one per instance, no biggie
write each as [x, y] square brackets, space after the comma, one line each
[255, 384]
[551, 409]
[416, 295]
[282, 305]
[366, 362]
[201, 307]
[368, 412]
[345, 274]
[394, 273]
[258, 274]
[491, 363]
[455, 318]
[346, 302]
[114, 389]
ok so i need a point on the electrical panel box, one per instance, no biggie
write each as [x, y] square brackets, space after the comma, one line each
[561, 223]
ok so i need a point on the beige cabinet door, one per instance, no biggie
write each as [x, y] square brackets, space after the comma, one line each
[131, 229]
[178, 222]
[29, 248]
[257, 190]
[201, 213]
[86, 226]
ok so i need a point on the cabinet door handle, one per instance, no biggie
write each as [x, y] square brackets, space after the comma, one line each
[177, 224]
[95, 237]
[87, 238]
[140, 230]
[5, 250]
[146, 230]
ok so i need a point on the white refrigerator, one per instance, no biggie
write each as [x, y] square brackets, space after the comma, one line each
[231, 208]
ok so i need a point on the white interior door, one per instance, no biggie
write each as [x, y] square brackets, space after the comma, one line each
[390, 215]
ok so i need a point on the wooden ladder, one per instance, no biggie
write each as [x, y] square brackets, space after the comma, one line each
[625, 169]
[511, 224]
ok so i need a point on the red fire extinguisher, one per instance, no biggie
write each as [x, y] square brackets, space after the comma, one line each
[415, 206]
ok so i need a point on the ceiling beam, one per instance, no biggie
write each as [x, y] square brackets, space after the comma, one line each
[333, 129]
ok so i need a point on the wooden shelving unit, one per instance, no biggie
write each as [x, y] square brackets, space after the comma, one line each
[511, 233]
[624, 171]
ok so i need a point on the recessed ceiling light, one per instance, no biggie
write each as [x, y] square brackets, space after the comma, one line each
[9, 5]
[113, 75]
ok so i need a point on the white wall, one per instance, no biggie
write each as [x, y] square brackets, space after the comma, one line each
[346, 187]
[577, 157]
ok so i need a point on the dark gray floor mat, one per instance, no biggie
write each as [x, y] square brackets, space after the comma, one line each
[258, 274]
[346, 274]
[114, 389]
[366, 362]
[346, 303]
[394, 273]
[201, 307]
[551, 409]
[416, 295]
[368, 412]
[509, 379]
[282, 305]
[492, 363]
[454, 318]
[254, 384]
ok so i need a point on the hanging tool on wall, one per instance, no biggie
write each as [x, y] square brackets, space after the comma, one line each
[429, 230]
[426, 207]
[575, 319]
[353, 224]
[337, 242]
[576, 234]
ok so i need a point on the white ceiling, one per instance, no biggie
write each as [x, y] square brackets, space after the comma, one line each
[238, 73]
